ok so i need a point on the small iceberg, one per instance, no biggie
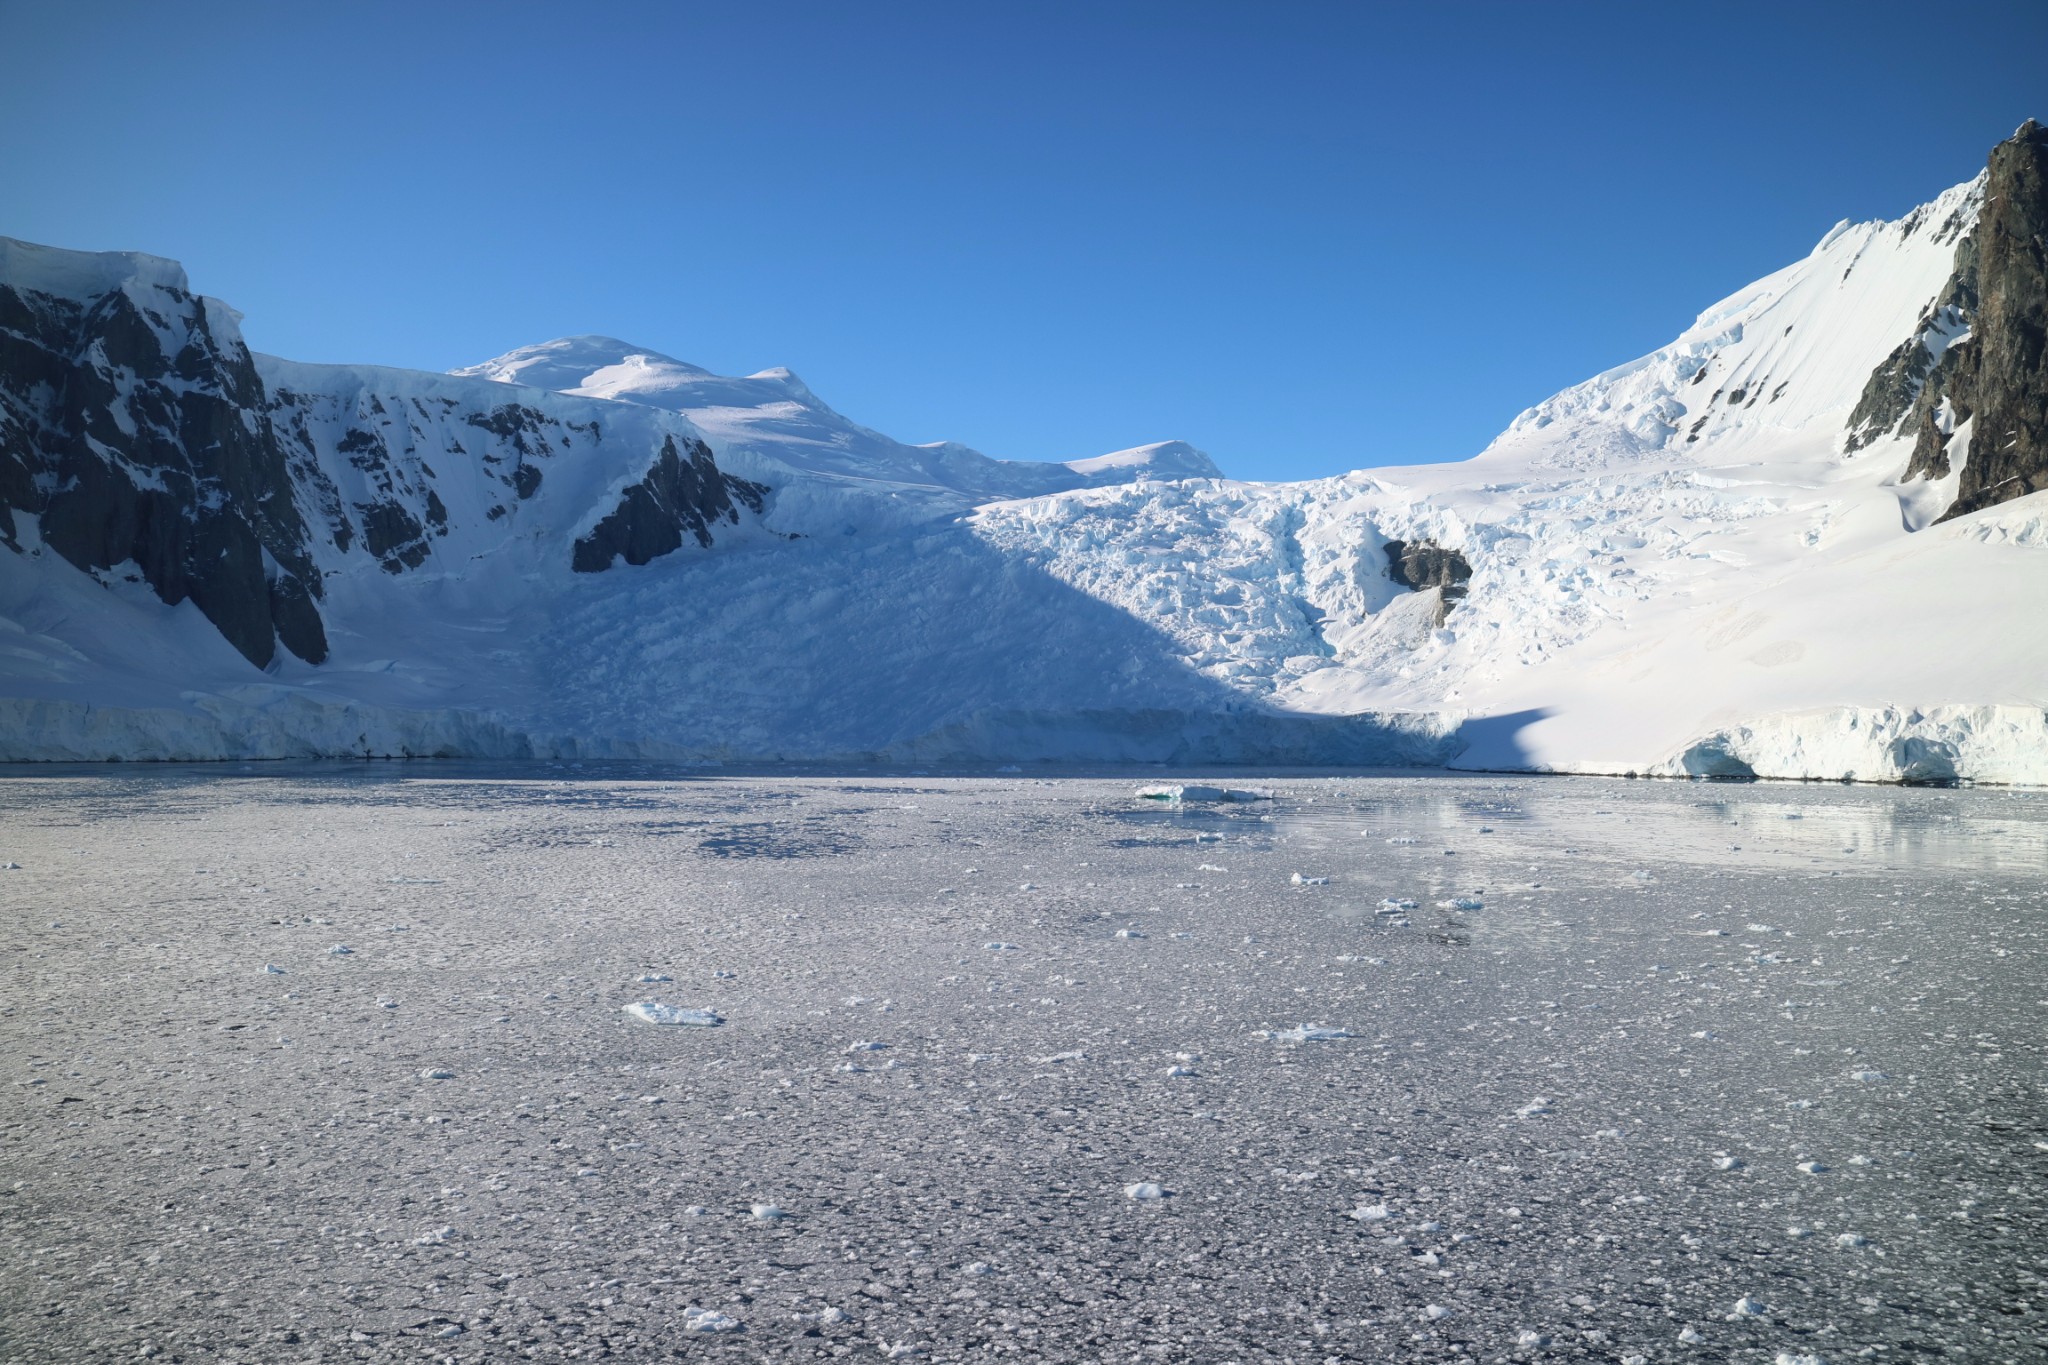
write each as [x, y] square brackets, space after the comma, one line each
[1177, 793]
[1307, 1033]
[654, 1012]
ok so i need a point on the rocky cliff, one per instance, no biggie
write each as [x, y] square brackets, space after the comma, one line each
[135, 443]
[1970, 387]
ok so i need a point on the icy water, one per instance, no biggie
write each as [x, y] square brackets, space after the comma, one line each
[331, 1063]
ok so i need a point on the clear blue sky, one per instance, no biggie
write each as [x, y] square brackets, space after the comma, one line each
[1306, 237]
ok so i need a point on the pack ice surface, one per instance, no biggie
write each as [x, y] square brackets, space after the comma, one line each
[1778, 546]
[1604, 1079]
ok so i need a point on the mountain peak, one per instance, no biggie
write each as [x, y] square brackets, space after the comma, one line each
[590, 365]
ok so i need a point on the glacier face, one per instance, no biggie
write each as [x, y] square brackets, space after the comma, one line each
[1721, 559]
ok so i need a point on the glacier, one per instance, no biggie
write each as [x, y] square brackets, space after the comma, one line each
[1724, 559]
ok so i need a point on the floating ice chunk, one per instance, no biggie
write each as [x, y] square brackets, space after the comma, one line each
[1144, 1191]
[654, 1012]
[1798, 1233]
[851, 1068]
[1404, 839]
[1747, 1307]
[1851, 1239]
[440, 1234]
[1436, 1312]
[1395, 905]
[1370, 1213]
[1130, 933]
[1868, 1076]
[1535, 1108]
[1179, 793]
[978, 1269]
[1690, 1337]
[1797, 1358]
[340, 950]
[1461, 903]
[902, 1350]
[1000, 947]
[1729, 1163]
[709, 1320]
[1308, 1033]
[1812, 1167]
[766, 1213]
[10, 866]
[385, 1002]
[1180, 1071]
[723, 975]
[1300, 880]
[435, 1073]
[865, 1046]
[1611, 1134]
[1211, 867]
[826, 1317]
[1529, 1341]
[651, 978]
[272, 969]
[1027, 886]
[1058, 1057]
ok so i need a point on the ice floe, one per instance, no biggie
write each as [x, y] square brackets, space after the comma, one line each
[654, 1012]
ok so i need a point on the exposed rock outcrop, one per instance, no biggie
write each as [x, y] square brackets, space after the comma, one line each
[1421, 565]
[676, 496]
[1978, 362]
[133, 431]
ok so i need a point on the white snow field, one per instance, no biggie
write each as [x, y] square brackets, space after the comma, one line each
[1677, 567]
[1007, 1068]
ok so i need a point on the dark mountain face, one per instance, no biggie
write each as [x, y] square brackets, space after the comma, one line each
[652, 515]
[134, 431]
[1980, 354]
[2006, 387]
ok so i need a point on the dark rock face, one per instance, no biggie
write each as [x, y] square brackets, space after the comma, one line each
[1420, 565]
[676, 496]
[1899, 393]
[2005, 388]
[1980, 354]
[132, 426]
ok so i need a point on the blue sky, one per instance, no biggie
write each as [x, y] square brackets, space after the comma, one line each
[1307, 238]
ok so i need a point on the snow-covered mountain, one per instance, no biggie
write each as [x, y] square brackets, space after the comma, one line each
[773, 425]
[1807, 538]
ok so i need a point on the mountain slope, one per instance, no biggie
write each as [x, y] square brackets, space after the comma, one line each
[1761, 549]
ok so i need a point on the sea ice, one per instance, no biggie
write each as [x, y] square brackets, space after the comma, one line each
[1144, 1191]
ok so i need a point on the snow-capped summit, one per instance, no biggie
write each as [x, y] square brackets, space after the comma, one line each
[592, 367]
[770, 423]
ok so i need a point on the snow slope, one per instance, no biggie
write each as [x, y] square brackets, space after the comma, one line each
[1680, 566]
